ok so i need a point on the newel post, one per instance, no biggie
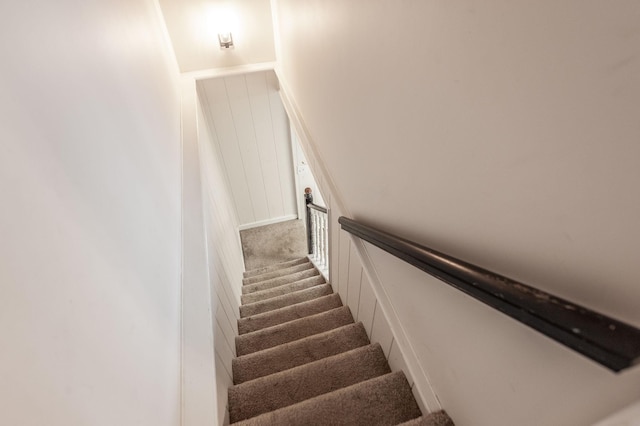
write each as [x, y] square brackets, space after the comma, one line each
[308, 199]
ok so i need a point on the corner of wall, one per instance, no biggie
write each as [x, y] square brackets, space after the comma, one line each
[198, 359]
[354, 277]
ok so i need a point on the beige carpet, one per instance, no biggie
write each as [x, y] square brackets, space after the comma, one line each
[274, 243]
[303, 361]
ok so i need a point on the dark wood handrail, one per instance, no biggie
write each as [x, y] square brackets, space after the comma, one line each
[613, 344]
[317, 207]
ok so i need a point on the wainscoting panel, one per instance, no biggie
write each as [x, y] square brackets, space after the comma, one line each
[367, 304]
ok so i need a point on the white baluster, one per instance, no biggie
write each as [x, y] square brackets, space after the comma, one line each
[313, 234]
[319, 246]
[316, 235]
[325, 244]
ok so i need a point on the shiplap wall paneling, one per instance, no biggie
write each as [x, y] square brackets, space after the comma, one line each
[222, 348]
[224, 255]
[343, 267]
[283, 145]
[246, 138]
[355, 279]
[367, 304]
[258, 92]
[351, 277]
[225, 260]
[227, 297]
[224, 381]
[225, 325]
[224, 377]
[224, 133]
[417, 394]
[397, 362]
[381, 332]
[227, 241]
[334, 247]
[251, 130]
[224, 275]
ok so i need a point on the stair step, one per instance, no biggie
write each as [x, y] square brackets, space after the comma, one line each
[290, 313]
[292, 330]
[275, 267]
[384, 400]
[438, 418]
[281, 290]
[285, 300]
[278, 273]
[299, 352]
[278, 281]
[289, 387]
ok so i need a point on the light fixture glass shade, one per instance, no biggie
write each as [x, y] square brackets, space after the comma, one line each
[226, 40]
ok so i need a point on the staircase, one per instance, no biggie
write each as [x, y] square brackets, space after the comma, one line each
[301, 359]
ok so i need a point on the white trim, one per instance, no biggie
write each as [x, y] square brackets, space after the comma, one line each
[275, 24]
[166, 37]
[182, 345]
[229, 71]
[419, 376]
[198, 383]
[321, 175]
[246, 226]
[300, 202]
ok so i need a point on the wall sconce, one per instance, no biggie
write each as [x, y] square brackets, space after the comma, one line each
[226, 40]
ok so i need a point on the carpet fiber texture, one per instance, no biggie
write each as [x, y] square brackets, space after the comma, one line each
[303, 361]
[258, 252]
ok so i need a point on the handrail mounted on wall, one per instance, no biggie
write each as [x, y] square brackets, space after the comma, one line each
[611, 343]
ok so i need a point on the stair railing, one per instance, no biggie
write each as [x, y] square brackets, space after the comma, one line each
[317, 234]
[607, 341]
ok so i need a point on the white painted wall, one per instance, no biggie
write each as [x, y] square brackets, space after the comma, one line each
[199, 391]
[504, 134]
[304, 176]
[213, 266]
[250, 133]
[354, 278]
[225, 261]
[194, 24]
[90, 217]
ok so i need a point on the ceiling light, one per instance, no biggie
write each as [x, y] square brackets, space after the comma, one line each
[226, 40]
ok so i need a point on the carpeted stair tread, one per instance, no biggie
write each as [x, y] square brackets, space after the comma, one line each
[292, 330]
[278, 273]
[289, 387]
[280, 280]
[299, 352]
[282, 290]
[276, 266]
[438, 418]
[285, 300]
[289, 313]
[384, 400]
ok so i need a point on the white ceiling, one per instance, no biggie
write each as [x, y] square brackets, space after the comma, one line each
[193, 26]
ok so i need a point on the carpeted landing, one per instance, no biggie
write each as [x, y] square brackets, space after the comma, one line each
[302, 360]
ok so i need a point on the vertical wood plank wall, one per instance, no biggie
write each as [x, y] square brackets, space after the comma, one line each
[250, 133]
[225, 262]
[354, 284]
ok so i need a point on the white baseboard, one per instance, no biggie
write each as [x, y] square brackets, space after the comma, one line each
[246, 226]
